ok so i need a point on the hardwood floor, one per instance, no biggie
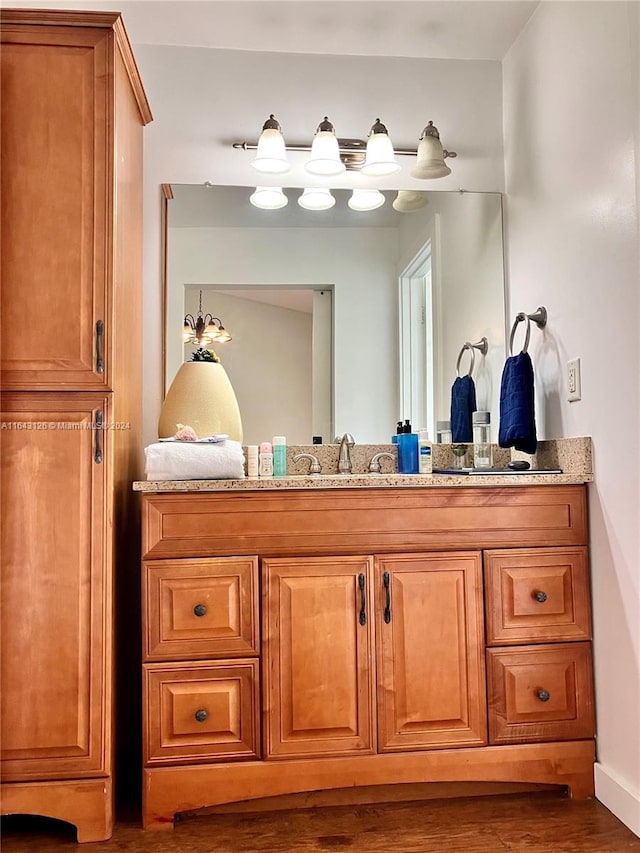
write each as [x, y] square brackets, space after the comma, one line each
[523, 823]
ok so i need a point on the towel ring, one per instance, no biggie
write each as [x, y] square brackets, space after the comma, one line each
[539, 317]
[482, 345]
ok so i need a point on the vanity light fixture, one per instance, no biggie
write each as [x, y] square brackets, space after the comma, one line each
[325, 151]
[331, 155]
[316, 199]
[271, 154]
[409, 200]
[204, 330]
[362, 200]
[380, 158]
[268, 198]
[430, 161]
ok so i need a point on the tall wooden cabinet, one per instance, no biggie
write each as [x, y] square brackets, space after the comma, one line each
[73, 109]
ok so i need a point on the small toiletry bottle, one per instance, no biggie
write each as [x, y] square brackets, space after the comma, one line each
[443, 432]
[279, 456]
[265, 468]
[399, 431]
[425, 459]
[252, 460]
[482, 450]
[407, 450]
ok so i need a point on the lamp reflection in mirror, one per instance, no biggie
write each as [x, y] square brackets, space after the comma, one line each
[268, 198]
[325, 151]
[316, 199]
[430, 160]
[271, 154]
[203, 330]
[201, 396]
[363, 200]
[409, 200]
[380, 158]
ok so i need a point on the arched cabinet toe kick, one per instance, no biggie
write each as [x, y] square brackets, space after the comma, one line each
[369, 637]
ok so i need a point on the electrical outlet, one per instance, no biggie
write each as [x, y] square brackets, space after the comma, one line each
[574, 384]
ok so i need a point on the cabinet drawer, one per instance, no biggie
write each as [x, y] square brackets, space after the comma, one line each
[201, 712]
[537, 595]
[540, 693]
[201, 608]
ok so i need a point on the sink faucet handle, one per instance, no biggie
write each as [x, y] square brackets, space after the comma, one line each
[374, 465]
[314, 467]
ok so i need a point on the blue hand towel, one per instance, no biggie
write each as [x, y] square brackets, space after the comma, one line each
[463, 404]
[517, 414]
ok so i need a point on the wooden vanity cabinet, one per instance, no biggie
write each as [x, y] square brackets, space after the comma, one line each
[374, 663]
[72, 114]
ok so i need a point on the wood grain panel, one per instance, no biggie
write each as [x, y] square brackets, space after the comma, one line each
[540, 693]
[352, 521]
[537, 595]
[431, 681]
[55, 202]
[224, 696]
[56, 586]
[318, 666]
[201, 608]
[167, 790]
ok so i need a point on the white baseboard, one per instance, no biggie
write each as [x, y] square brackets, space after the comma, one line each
[612, 793]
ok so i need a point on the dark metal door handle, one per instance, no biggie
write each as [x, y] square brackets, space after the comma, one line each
[363, 599]
[97, 454]
[387, 591]
[99, 358]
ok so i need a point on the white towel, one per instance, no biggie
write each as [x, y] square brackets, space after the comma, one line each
[190, 460]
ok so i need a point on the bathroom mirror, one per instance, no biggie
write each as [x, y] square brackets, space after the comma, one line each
[341, 320]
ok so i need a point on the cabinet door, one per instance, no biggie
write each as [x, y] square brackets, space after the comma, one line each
[318, 667]
[55, 596]
[56, 207]
[429, 636]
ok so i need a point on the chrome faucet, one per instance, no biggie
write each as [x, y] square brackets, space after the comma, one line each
[344, 457]
[374, 465]
[315, 467]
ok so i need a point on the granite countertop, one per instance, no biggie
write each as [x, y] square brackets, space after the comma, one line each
[572, 455]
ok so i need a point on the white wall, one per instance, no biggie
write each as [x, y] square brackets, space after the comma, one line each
[570, 134]
[203, 100]
[360, 264]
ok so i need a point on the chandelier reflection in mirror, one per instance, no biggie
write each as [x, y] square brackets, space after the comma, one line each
[203, 330]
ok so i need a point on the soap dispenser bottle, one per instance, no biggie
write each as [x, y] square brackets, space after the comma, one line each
[407, 450]
[399, 431]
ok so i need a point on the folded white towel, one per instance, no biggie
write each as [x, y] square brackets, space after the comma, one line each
[189, 460]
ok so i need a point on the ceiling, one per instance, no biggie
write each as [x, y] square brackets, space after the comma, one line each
[437, 29]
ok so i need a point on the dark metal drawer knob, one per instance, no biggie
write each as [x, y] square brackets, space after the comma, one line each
[201, 715]
[200, 609]
[544, 695]
[540, 596]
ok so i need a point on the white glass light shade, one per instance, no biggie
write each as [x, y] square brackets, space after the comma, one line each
[366, 200]
[409, 200]
[430, 160]
[271, 154]
[316, 199]
[202, 397]
[325, 155]
[268, 198]
[380, 158]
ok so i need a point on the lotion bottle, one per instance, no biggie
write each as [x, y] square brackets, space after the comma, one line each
[425, 458]
[279, 456]
[252, 460]
[266, 460]
[407, 450]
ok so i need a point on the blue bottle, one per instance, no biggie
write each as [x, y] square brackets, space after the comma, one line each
[407, 450]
